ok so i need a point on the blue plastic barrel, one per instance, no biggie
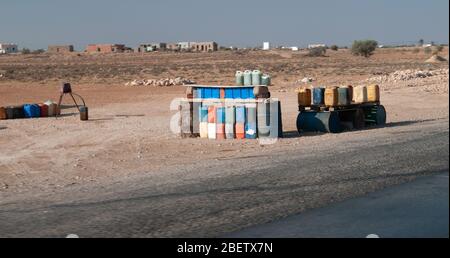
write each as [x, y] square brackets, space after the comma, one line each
[237, 93]
[318, 96]
[197, 92]
[228, 93]
[240, 114]
[207, 93]
[204, 114]
[220, 111]
[244, 93]
[312, 121]
[215, 92]
[250, 93]
[31, 110]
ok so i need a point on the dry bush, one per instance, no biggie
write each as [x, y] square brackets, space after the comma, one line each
[317, 51]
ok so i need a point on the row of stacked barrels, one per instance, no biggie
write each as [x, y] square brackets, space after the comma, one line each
[338, 96]
[212, 116]
[245, 121]
[46, 109]
[232, 122]
[252, 78]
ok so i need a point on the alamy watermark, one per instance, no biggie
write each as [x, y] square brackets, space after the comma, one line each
[263, 113]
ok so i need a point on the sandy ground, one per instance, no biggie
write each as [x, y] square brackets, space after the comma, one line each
[133, 136]
[128, 138]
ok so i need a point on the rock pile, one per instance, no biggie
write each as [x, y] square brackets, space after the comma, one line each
[305, 80]
[406, 75]
[436, 59]
[162, 82]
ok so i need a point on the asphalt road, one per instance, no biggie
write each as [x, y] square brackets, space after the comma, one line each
[415, 209]
[214, 198]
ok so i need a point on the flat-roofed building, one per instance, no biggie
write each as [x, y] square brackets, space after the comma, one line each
[204, 46]
[106, 48]
[151, 47]
[54, 49]
[8, 48]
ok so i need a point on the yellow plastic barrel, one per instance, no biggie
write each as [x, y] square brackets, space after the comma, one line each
[360, 94]
[373, 93]
[304, 97]
[331, 97]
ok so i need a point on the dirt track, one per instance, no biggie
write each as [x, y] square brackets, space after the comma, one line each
[126, 151]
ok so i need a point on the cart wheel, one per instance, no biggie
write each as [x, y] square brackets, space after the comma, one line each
[312, 121]
[381, 115]
[359, 119]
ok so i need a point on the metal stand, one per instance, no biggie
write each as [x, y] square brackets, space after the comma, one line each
[67, 89]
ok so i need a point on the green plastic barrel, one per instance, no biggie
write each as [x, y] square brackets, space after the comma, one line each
[247, 78]
[263, 119]
[265, 80]
[239, 78]
[256, 77]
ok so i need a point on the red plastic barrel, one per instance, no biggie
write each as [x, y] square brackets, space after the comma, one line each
[220, 131]
[211, 114]
[44, 110]
[240, 131]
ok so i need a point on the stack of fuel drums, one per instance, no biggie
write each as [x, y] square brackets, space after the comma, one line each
[333, 109]
[46, 109]
[230, 112]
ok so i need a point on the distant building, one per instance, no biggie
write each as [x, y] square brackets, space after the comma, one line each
[173, 46]
[316, 45]
[208, 46]
[8, 48]
[294, 48]
[106, 48]
[151, 47]
[60, 49]
[266, 45]
[184, 45]
[204, 46]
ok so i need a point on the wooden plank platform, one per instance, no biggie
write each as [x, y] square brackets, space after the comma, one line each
[353, 106]
[223, 86]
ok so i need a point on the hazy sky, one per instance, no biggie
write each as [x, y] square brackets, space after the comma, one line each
[38, 23]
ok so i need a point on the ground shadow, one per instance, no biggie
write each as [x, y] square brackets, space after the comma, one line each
[3, 128]
[68, 106]
[399, 123]
[101, 119]
[67, 114]
[296, 134]
[411, 122]
[125, 115]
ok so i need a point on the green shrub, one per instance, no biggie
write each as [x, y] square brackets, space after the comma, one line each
[364, 47]
[427, 50]
[26, 51]
[334, 47]
[38, 51]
